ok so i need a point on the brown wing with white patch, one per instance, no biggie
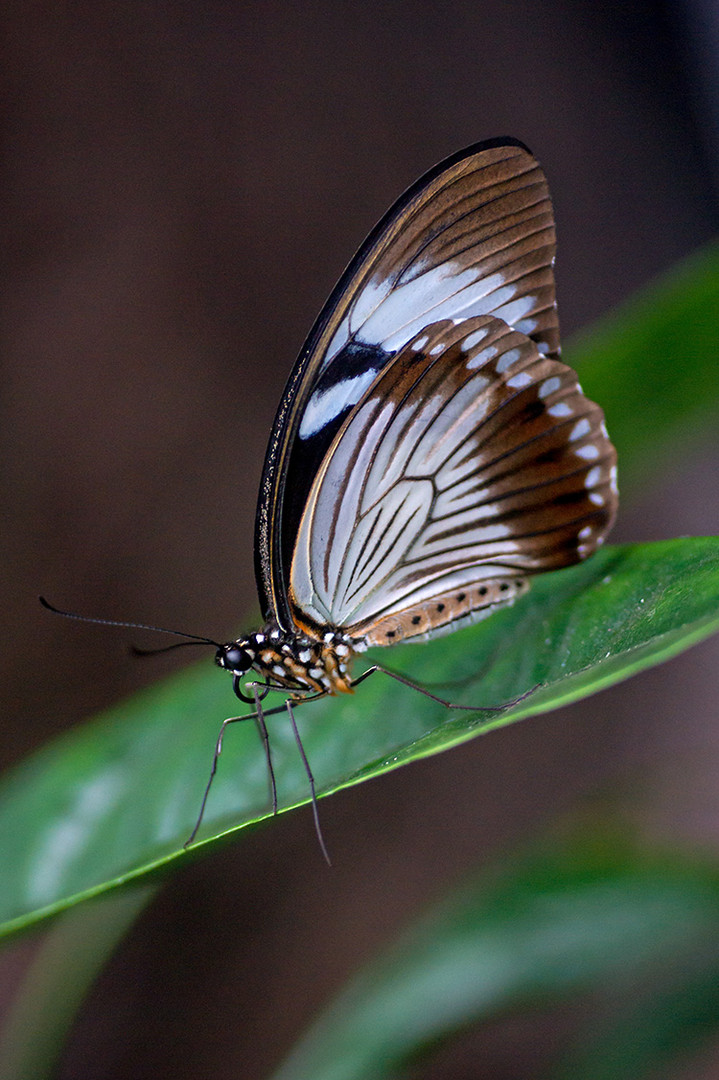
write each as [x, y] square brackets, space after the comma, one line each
[472, 459]
[474, 236]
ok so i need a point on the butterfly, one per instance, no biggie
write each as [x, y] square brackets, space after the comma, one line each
[430, 452]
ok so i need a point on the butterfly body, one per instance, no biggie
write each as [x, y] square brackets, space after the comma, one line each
[297, 662]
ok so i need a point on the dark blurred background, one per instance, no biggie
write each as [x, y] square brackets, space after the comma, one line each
[182, 185]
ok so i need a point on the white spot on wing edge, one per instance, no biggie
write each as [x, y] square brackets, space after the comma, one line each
[507, 359]
[474, 338]
[560, 408]
[593, 477]
[481, 358]
[522, 378]
[589, 452]
[580, 429]
[549, 386]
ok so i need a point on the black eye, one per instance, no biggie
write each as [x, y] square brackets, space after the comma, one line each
[234, 658]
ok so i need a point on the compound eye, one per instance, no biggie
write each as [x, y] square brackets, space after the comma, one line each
[234, 658]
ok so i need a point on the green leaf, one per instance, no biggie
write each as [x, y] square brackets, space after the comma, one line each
[652, 366]
[598, 912]
[117, 797]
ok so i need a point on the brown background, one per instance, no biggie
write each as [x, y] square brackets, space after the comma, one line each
[183, 184]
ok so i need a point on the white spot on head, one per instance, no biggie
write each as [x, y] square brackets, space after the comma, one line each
[549, 386]
[474, 338]
[259, 638]
[510, 357]
[596, 498]
[580, 429]
[589, 452]
[593, 477]
[560, 408]
[518, 380]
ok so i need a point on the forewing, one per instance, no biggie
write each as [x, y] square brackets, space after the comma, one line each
[472, 458]
[474, 236]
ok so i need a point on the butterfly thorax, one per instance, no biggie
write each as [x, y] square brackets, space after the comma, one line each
[292, 661]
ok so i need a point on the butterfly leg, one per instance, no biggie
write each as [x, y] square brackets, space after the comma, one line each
[262, 728]
[218, 750]
[439, 700]
[311, 780]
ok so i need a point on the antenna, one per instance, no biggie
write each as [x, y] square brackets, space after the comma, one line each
[194, 638]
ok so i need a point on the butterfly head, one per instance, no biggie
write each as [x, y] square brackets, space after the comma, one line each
[235, 656]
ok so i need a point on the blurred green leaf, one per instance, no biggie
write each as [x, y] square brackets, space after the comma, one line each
[653, 365]
[594, 913]
[660, 1024]
[72, 953]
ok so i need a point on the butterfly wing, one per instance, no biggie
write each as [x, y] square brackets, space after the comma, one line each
[472, 461]
[473, 236]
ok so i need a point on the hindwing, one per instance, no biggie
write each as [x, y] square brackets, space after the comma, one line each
[472, 459]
